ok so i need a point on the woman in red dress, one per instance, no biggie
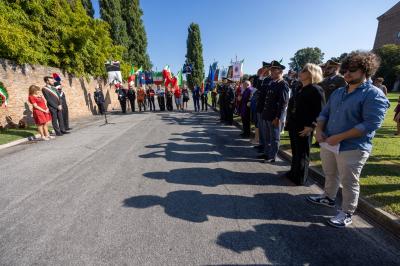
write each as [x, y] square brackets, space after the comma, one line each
[41, 113]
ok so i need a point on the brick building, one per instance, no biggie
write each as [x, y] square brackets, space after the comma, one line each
[389, 27]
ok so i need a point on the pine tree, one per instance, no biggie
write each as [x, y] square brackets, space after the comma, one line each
[111, 12]
[194, 56]
[87, 4]
[137, 47]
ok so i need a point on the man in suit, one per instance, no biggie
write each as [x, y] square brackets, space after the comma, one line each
[99, 99]
[121, 96]
[229, 102]
[64, 105]
[55, 105]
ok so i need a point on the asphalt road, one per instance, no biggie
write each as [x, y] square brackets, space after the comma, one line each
[167, 189]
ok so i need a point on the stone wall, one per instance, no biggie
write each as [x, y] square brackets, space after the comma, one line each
[78, 91]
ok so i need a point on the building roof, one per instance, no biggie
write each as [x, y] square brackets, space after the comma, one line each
[392, 11]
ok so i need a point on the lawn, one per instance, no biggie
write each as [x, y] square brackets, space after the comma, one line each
[8, 135]
[380, 179]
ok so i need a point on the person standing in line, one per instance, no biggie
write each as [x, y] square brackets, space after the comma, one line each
[178, 98]
[397, 117]
[121, 96]
[221, 99]
[333, 80]
[99, 99]
[244, 109]
[196, 98]
[55, 106]
[151, 99]
[303, 110]
[141, 95]
[347, 124]
[132, 95]
[41, 113]
[160, 92]
[214, 94]
[204, 96]
[276, 100]
[185, 95]
[229, 102]
[263, 80]
[63, 99]
[378, 82]
[169, 95]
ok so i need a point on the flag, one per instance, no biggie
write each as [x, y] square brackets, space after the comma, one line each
[180, 78]
[230, 72]
[237, 70]
[113, 71]
[158, 78]
[224, 73]
[149, 77]
[3, 96]
[216, 75]
[187, 68]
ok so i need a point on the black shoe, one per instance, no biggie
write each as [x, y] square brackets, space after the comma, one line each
[68, 128]
[65, 132]
[258, 147]
[269, 161]
[59, 134]
[262, 156]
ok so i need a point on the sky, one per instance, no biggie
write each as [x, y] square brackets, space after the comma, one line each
[258, 30]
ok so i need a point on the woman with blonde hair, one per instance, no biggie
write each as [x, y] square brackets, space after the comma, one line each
[304, 107]
[41, 113]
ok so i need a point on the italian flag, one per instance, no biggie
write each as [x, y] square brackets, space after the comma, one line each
[3, 96]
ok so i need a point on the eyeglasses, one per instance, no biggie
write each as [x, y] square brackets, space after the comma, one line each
[351, 70]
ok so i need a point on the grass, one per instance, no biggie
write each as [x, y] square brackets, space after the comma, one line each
[9, 135]
[380, 178]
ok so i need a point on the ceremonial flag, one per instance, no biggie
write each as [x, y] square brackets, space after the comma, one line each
[3, 96]
[158, 78]
[149, 77]
[237, 70]
[114, 71]
[224, 73]
[230, 72]
[180, 78]
[187, 68]
[216, 75]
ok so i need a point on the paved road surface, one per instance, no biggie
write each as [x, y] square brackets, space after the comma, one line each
[166, 189]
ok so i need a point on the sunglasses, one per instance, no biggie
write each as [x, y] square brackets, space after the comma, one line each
[351, 70]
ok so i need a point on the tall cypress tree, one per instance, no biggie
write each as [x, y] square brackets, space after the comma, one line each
[111, 12]
[194, 56]
[87, 4]
[137, 47]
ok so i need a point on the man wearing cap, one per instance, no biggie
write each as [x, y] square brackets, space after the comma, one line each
[276, 100]
[333, 80]
[261, 83]
[121, 96]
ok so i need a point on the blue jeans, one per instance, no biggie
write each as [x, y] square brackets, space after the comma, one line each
[272, 139]
[196, 104]
[262, 128]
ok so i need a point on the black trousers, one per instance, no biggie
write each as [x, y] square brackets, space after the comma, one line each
[161, 103]
[65, 115]
[214, 100]
[142, 105]
[222, 112]
[229, 114]
[152, 105]
[170, 106]
[122, 102]
[132, 102]
[300, 156]
[57, 120]
[101, 108]
[204, 100]
[246, 123]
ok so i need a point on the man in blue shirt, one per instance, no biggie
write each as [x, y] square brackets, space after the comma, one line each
[349, 120]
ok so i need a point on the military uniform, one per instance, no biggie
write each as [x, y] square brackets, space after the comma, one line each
[330, 84]
[99, 99]
[132, 97]
[122, 98]
[229, 103]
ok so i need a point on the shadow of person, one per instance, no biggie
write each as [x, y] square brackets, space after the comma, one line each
[287, 244]
[28, 115]
[214, 177]
[194, 206]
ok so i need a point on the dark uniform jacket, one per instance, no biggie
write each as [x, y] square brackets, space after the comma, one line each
[121, 94]
[330, 84]
[99, 97]
[261, 93]
[276, 100]
[53, 99]
[305, 106]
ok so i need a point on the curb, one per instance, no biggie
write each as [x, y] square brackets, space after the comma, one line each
[375, 214]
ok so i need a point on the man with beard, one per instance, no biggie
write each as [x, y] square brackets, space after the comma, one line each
[332, 79]
[347, 124]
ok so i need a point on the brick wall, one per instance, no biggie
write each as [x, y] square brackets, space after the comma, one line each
[388, 28]
[78, 91]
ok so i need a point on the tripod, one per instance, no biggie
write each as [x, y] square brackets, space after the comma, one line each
[106, 120]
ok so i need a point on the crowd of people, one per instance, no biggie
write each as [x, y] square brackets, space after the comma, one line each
[342, 104]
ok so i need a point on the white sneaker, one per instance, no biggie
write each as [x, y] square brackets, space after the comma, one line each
[341, 220]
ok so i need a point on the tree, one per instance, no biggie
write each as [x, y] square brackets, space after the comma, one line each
[194, 56]
[111, 12]
[304, 56]
[87, 4]
[390, 63]
[137, 46]
[340, 58]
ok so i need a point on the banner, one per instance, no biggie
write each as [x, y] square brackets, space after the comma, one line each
[113, 71]
[230, 72]
[3, 95]
[158, 78]
[187, 68]
[237, 70]
[149, 77]
[223, 73]
[180, 78]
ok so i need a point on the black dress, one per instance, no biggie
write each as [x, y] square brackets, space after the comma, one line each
[303, 110]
